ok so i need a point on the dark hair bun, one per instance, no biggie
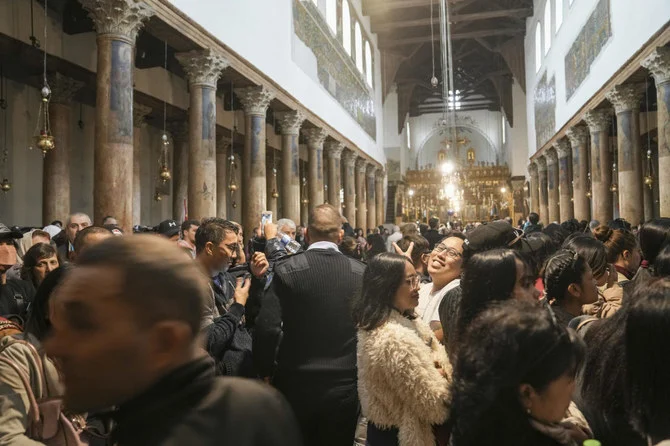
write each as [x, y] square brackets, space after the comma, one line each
[603, 233]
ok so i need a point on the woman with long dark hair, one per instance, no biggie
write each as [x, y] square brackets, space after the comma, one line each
[39, 260]
[513, 380]
[402, 369]
[569, 284]
[647, 365]
[488, 277]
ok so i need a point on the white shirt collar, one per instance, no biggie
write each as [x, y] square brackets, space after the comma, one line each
[323, 245]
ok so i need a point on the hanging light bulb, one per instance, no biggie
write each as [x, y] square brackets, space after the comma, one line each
[434, 82]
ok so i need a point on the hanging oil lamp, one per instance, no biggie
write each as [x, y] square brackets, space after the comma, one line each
[158, 196]
[649, 178]
[232, 184]
[164, 170]
[43, 138]
[274, 192]
[5, 186]
[614, 187]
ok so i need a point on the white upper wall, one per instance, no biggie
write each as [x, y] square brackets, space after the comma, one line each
[261, 31]
[633, 23]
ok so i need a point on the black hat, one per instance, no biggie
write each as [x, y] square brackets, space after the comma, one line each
[168, 228]
[496, 234]
[6, 233]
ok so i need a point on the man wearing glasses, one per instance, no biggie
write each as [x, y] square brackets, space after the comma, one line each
[227, 338]
[444, 268]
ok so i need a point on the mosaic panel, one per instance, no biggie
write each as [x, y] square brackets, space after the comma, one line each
[545, 110]
[589, 42]
[336, 69]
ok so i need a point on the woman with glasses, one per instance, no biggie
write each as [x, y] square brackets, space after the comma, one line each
[403, 371]
[569, 284]
[490, 277]
[513, 380]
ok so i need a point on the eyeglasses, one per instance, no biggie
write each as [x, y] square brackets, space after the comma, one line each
[413, 281]
[451, 252]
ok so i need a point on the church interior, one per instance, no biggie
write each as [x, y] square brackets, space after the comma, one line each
[390, 110]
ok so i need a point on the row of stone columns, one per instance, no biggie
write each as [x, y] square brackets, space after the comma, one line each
[552, 175]
[199, 169]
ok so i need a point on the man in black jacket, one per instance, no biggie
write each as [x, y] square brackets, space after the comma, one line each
[126, 328]
[305, 339]
[226, 337]
[433, 235]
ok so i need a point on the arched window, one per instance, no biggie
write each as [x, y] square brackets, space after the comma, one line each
[331, 15]
[346, 27]
[358, 40]
[538, 47]
[368, 63]
[559, 14]
[547, 26]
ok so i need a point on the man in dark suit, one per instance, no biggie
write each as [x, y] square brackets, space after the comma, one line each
[305, 339]
[433, 235]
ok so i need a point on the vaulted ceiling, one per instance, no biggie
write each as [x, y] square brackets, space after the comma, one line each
[487, 52]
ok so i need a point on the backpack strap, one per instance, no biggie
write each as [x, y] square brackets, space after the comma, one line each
[585, 322]
[34, 412]
[41, 382]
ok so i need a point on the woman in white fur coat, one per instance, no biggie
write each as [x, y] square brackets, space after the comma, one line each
[403, 371]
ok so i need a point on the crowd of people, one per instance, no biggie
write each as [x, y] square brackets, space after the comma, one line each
[420, 334]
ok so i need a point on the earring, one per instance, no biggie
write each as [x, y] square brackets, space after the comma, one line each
[528, 411]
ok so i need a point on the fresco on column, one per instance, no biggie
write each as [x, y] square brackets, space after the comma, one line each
[257, 123]
[575, 166]
[545, 110]
[121, 93]
[336, 70]
[595, 155]
[551, 173]
[626, 141]
[295, 155]
[665, 89]
[208, 118]
[544, 190]
[563, 172]
[587, 46]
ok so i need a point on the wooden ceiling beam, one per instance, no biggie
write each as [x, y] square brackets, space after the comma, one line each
[458, 18]
[392, 43]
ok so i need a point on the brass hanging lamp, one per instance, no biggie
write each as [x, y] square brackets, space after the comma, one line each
[164, 173]
[43, 138]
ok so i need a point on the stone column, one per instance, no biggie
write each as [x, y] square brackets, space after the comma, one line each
[140, 112]
[203, 69]
[222, 165]
[543, 192]
[534, 188]
[117, 23]
[562, 147]
[580, 170]
[361, 204]
[659, 65]
[334, 152]
[315, 138]
[552, 186]
[626, 100]
[380, 195]
[255, 101]
[601, 165]
[290, 123]
[56, 173]
[371, 194]
[179, 132]
[349, 159]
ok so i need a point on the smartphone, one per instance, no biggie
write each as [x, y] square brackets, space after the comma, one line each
[266, 217]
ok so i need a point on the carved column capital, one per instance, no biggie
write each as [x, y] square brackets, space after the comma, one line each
[63, 88]
[255, 100]
[290, 122]
[381, 174]
[315, 137]
[551, 157]
[578, 135]
[626, 97]
[334, 149]
[122, 18]
[532, 169]
[541, 162]
[178, 130]
[562, 147]
[349, 158]
[598, 120]
[202, 67]
[371, 170]
[140, 112]
[361, 165]
[658, 63]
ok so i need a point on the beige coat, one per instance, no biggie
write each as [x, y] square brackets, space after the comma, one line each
[398, 382]
[13, 397]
